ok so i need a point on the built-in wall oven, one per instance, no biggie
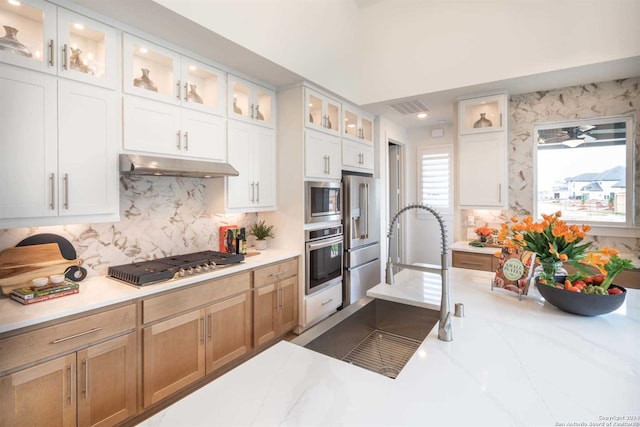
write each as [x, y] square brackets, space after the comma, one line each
[322, 201]
[324, 260]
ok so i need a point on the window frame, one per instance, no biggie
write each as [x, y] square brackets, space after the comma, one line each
[435, 149]
[598, 227]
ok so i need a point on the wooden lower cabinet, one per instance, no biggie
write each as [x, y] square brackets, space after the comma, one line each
[97, 384]
[182, 349]
[275, 310]
[173, 355]
[228, 330]
[474, 261]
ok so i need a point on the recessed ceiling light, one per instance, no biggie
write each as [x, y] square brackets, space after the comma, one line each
[422, 115]
[144, 50]
[14, 2]
[78, 26]
[192, 68]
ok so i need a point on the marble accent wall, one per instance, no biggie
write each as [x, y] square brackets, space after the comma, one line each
[619, 97]
[159, 217]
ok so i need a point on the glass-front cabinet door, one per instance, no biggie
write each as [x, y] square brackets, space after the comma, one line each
[150, 71]
[250, 102]
[88, 50]
[203, 87]
[480, 115]
[28, 36]
[357, 125]
[322, 113]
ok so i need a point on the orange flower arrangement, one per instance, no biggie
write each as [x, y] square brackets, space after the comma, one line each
[485, 231]
[551, 239]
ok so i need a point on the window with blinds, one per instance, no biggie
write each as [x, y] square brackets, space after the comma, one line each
[435, 177]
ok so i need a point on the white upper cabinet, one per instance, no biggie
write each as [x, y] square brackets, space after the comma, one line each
[322, 155]
[322, 113]
[88, 50]
[160, 74]
[29, 38]
[58, 157]
[357, 156]
[483, 162]
[54, 40]
[250, 102]
[478, 115]
[357, 124]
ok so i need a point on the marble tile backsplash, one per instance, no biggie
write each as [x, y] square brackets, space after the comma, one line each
[618, 97]
[159, 217]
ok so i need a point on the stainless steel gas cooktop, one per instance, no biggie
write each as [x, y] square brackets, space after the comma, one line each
[162, 269]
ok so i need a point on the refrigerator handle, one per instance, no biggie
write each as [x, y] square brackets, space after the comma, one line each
[363, 230]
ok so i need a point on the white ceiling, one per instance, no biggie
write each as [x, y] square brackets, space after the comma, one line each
[158, 21]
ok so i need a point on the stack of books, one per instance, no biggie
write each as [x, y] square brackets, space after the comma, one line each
[29, 295]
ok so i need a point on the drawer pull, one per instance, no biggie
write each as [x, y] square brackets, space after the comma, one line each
[471, 263]
[278, 273]
[85, 362]
[90, 331]
[327, 302]
[71, 384]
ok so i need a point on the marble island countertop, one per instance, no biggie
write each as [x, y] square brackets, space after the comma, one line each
[511, 362]
[102, 291]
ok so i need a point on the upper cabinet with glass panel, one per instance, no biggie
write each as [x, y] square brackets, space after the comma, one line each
[88, 50]
[29, 34]
[478, 115]
[584, 168]
[322, 112]
[161, 74]
[357, 125]
[250, 102]
[81, 49]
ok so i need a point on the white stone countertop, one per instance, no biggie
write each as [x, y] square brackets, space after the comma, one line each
[511, 363]
[98, 292]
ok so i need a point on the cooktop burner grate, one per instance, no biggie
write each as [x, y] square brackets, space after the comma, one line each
[153, 271]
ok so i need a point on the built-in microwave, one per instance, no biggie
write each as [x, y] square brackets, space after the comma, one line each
[322, 201]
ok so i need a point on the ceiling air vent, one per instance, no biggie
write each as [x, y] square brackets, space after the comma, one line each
[410, 107]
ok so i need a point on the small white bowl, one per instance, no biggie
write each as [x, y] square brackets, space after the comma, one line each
[56, 278]
[40, 282]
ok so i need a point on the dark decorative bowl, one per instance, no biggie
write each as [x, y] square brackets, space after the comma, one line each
[579, 303]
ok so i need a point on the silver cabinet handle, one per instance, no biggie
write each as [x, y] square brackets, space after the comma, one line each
[52, 190]
[178, 144]
[203, 329]
[85, 362]
[90, 331]
[178, 90]
[210, 326]
[51, 53]
[64, 56]
[328, 165]
[499, 193]
[258, 192]
[279, 298]
[500, 119]
[327, 302]
[186, 91]
[253, 191]
[471, 263]
[278, 273]
[71, 384]
[66, 191]
[186, 141]
[252, 111]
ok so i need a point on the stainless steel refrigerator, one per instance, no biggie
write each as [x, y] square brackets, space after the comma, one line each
[361, 220]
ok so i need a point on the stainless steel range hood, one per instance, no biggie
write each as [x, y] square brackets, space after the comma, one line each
[135, 164]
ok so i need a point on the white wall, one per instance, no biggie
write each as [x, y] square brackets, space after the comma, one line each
[423, 236]
[433, 45]
[315, 39]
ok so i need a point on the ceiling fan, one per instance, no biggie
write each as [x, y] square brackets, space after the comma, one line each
[571, 137]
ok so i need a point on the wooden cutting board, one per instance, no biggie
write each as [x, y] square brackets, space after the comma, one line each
[18, 266]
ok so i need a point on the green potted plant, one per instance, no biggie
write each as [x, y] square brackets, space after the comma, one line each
[260, 230]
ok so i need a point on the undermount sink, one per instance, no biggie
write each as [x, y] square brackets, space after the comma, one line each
[375, 334]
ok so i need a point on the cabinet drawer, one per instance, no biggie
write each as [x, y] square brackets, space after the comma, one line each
[207, 292]
[275, 272]
[322, 303]
[473, 261]
[35, 345]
